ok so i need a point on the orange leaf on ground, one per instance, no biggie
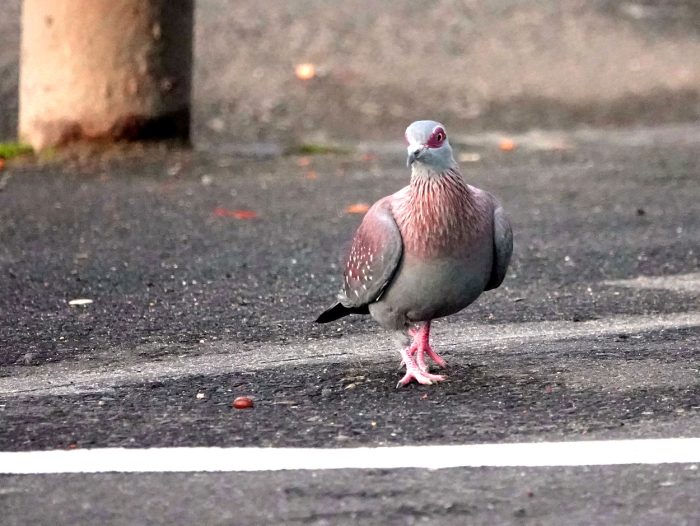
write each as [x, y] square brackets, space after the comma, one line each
[507, 145]
[303, 161]
[305, 71]
[2, 163]
[236, 214]
[357, 208]
[311, 174]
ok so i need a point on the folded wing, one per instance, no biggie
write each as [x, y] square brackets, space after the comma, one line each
[374, 256]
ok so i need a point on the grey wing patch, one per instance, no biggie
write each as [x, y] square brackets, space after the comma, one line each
[502, 246]
[373, 259]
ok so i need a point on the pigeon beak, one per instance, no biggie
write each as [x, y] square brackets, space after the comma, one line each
[414, 153]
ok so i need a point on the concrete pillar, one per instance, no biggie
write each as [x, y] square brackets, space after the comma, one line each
[105, 70]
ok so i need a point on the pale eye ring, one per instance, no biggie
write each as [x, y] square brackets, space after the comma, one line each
[439, 137]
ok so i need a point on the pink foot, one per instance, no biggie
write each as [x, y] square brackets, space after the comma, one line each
[420, 377]
[413, 371]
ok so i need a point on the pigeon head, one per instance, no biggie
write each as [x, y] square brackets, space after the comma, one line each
[428, 146]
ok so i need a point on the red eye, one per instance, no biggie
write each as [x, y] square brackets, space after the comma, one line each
[436, 138]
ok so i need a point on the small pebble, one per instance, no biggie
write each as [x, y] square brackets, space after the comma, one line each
[242, 402]
[80, 301]
[507, 145]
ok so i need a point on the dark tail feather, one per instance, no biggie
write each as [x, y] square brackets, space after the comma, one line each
[338, 311]
[333, 313]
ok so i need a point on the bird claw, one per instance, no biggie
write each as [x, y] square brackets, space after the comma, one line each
[421, 377]
[435, 357]
[414, 371]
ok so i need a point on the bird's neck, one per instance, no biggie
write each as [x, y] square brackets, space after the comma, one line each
[437, 213]
[420, 171]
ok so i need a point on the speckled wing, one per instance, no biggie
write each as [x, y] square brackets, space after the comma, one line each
[502, 246]
[373, 258]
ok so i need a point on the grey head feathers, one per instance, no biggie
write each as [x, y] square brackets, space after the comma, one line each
[428, 147]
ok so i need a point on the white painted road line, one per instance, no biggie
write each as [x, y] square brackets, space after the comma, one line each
[201, 459]
[675, 282]
[110, 368]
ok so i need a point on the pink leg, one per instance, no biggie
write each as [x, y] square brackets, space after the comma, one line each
[411, 350]
[421, 344]
[417, 368]
[414, 373]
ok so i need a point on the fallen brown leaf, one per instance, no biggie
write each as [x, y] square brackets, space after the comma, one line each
[357, 208]
[236, 214]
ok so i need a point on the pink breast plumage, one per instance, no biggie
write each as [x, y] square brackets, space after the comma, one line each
[438, 215]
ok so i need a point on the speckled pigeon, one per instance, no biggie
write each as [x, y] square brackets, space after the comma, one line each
[427, 251]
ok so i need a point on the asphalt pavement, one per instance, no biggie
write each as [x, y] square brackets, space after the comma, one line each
[205, 270]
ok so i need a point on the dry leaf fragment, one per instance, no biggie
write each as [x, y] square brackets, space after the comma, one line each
[244, 214]
[357, 208]
[236, 214]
